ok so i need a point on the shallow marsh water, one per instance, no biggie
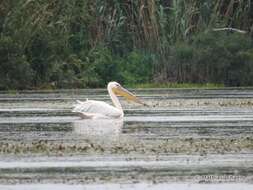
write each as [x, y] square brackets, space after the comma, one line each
[183, 136]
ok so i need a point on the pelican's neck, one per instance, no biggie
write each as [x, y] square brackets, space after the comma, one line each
[114, 98]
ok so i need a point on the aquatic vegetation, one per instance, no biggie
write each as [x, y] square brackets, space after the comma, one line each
[189, 146]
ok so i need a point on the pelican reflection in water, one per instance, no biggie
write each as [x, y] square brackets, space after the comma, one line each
[109, 129]
[92, 109]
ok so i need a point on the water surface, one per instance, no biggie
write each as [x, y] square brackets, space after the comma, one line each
[184, 136]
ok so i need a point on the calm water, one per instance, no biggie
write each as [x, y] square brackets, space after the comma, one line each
[183, 137]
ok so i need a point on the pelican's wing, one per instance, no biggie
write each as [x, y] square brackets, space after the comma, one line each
[91, 109]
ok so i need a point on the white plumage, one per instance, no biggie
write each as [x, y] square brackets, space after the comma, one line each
[96, 109]
[91, 109]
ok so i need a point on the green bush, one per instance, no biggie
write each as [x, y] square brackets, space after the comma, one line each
[102, 66]
[15, 70]
[86, 43]
[136, 68]
[213, 58]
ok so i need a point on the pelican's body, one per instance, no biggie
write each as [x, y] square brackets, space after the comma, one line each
[92, 109]
[97, 109]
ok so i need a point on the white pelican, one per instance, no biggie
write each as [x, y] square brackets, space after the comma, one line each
[92, 109]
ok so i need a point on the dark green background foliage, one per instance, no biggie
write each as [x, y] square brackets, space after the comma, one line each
[86, 43]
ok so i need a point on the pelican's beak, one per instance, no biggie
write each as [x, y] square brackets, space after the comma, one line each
[120, 91]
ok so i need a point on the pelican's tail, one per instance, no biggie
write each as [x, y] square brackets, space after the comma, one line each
[78, 106]
[79, 102]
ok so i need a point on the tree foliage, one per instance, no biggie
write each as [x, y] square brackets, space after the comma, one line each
[86, 43]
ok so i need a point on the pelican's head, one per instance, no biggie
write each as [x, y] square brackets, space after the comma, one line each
[120, 91]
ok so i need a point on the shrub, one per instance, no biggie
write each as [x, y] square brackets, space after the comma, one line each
[15, 70]
[213, 58]
[136, 68]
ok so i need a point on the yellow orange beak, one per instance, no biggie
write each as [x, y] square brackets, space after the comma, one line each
[120, 91]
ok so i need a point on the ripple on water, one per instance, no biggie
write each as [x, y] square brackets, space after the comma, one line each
[182, 136]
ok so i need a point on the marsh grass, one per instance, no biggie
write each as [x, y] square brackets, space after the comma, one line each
[85, 43]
